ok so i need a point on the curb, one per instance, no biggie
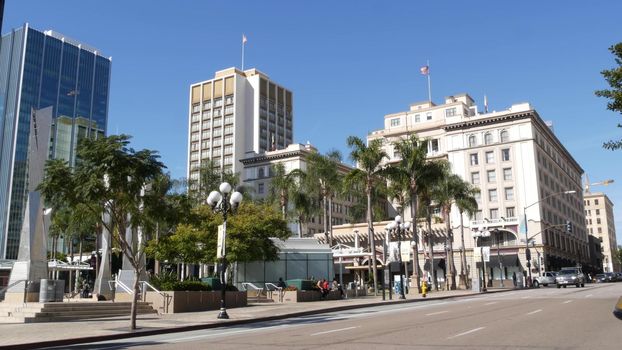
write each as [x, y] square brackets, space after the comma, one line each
[139, 333]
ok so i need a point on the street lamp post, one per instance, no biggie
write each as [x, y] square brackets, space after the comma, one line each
[399, 227]
[218, 202]
[526, 223]
[476, 235]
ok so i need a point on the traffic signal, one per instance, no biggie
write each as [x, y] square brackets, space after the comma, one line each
[568, 226]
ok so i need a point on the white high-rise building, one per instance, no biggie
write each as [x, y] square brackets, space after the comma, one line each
[522, 170]
[234, 113]
[601, 224]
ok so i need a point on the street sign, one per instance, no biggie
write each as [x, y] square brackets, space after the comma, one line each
[405, 251]
[486, 253]
[221, 241]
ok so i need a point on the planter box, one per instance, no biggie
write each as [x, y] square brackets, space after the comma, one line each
[189, 301]
[301, 296]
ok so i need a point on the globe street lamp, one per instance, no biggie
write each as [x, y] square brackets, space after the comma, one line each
[526, 223]
[476, 235]
[218, 202]
[399, 227]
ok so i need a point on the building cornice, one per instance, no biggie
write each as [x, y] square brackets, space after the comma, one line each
[530, 114]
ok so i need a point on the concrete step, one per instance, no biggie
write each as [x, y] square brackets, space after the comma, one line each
[259, 300]
[49, 312]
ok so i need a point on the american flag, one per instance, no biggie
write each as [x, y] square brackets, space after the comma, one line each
[244, 39]
[425, 70]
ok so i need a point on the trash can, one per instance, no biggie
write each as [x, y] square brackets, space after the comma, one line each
[212, 282]
[51, 290]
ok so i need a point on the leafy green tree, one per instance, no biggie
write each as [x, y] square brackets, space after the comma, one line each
[210, 177]
[166, 208]
[369, 172]
[109, 175]
[614, 95]
[418, 173]
[618, 255]
[323, 180]
[248, 236]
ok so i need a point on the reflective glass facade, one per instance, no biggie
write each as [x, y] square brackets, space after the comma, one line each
[37, 70]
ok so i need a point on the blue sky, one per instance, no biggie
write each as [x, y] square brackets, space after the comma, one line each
[351, 62]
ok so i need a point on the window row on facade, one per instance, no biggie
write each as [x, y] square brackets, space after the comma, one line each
[489, 138]
[489, 157]
[491, 176]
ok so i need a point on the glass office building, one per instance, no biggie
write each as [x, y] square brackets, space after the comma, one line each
[37, 70]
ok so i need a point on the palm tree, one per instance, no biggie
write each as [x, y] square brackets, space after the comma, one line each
[369, 171]
[414, 170]
[282, 184]
[323, 179]
[466, 203]
[445, 192]
[304, 208]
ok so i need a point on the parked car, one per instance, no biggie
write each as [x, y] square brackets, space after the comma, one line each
[544, 280]
[610, 276]
[600, 278]
[569, 276]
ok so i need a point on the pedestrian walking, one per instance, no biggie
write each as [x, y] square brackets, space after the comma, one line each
[514, 279]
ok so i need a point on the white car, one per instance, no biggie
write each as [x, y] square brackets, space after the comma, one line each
[544, 280]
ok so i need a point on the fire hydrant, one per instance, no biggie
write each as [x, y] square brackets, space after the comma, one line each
[424, 289]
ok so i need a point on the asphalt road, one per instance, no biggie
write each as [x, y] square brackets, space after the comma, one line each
[544, 318]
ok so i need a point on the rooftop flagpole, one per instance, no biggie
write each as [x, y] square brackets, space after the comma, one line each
[425, 70]
[244, 40]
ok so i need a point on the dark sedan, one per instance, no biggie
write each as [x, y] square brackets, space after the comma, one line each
[600, 278]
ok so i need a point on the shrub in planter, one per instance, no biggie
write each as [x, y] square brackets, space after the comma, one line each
[290, 289]
[186, 286]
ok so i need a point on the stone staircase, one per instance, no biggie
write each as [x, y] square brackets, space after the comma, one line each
[67, 311]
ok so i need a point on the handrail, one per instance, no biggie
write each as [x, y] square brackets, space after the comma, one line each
[166, 298]
[271, 287]
[123, 286]
[245, 285]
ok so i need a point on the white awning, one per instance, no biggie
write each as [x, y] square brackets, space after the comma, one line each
[63, 266]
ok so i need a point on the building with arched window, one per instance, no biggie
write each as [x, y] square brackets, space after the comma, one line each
[522, 177]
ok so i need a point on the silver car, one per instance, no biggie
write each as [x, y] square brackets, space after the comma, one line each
[544, 280]
[570, 276]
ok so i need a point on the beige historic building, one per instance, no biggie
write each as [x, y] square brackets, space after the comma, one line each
[601, 224]
[234, 113]
[526, 176]
[257, 175]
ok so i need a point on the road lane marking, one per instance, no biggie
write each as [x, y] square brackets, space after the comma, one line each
[465, 333]
[334, 330]
[491, 303]
[589, 295]
[210, 335]
[534, 312]
[525, 297]
[567, 301]
[436, 313]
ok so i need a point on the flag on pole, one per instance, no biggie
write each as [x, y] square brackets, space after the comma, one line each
[425, 70]
[244, 40]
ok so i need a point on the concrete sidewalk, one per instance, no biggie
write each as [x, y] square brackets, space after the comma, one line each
[36, 335]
